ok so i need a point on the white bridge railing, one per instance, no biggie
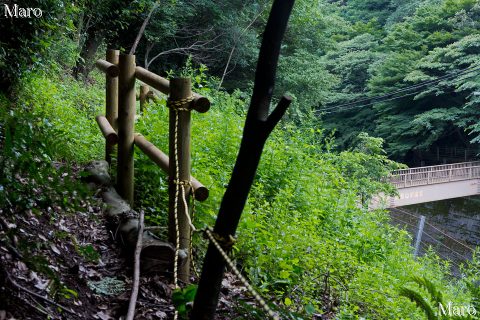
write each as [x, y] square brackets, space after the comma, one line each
[435, 174]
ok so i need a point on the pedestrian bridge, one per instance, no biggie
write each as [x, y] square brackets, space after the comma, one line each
[433, 183]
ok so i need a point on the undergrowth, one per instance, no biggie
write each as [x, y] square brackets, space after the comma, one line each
[306, 240]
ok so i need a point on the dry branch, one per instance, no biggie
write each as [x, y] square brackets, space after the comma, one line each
[142, 28]
[36, 295]
[136, 269]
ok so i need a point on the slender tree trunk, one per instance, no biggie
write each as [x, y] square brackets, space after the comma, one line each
[142, 28]
[90, 47]
[258, 127]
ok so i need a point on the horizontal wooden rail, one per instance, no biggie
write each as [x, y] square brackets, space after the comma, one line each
[107, 67]
[108, 132]
[161, 159]
[200, 103]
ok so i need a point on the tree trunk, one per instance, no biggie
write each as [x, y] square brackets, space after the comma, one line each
[258, 127]
[85, 63]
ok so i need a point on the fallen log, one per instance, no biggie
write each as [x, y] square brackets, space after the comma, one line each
[156, 255]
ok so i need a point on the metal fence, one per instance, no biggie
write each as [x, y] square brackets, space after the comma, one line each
[431, 236]
[435, 174]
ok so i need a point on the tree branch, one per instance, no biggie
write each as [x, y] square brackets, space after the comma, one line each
[142, 28]
[136, 271]
[235, 46]
[278, 113]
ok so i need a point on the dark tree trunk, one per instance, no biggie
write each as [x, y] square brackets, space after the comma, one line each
[258, 127]
[85, 63]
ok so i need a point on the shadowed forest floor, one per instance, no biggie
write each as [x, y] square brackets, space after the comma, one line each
[66, 265]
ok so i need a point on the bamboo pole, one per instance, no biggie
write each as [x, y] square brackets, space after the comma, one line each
[161, 159]
[179, 148]
[111, 137]
[111, 101]
[143, 97]
[200, 103]
[126, 118]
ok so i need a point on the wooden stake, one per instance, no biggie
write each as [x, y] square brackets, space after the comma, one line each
[143, 97]
[180, 88]
[126, 118]
[111, 101]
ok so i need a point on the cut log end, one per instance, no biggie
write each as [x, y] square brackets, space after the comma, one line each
[157, 257]
[201, 104]
[201, 193]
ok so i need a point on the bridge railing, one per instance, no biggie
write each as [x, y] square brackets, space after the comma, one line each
[435, 174]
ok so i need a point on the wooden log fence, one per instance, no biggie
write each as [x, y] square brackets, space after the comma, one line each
[111, 101]
[118, 127]
[182, 101]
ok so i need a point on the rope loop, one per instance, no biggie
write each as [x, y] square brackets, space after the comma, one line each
[182, 182]
[226, 243]
[178, 105]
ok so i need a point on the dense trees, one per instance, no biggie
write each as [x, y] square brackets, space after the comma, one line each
[438, 41]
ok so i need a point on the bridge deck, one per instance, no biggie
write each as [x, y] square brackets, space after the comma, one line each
[433, 183]
[435, 174]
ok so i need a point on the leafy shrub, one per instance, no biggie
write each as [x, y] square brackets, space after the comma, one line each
[304, 240]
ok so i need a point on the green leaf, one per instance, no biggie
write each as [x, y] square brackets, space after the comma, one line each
[287, 302]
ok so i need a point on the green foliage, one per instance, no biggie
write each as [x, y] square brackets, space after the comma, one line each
[37, 135]
[25, 42]
[306, 240]
[303, 239]
[89, 253]
[306, 80]
[436, 39]
[432, 306]
[183, 298]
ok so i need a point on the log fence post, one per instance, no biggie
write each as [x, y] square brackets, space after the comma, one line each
[111, 102]
[179, 151]
[126, 119]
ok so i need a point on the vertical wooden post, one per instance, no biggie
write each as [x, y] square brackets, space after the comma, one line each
[180, 88]
[143, 97]
[111, 101]
[126, 118]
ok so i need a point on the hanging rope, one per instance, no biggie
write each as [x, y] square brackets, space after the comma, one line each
[227, 244]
